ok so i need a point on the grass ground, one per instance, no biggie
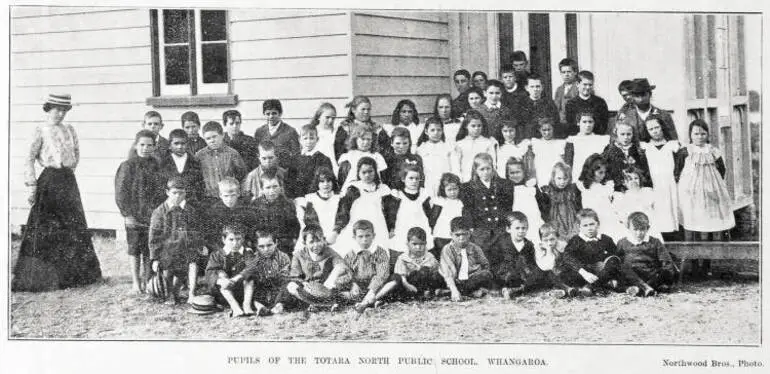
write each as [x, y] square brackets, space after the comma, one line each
[711, 312]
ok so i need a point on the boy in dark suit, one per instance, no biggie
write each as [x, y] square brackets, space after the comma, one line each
[245, 145]
[566, 91]
[284, 137]
[591, 260]
[178, 162]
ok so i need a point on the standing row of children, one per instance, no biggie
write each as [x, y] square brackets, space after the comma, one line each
[396, 177]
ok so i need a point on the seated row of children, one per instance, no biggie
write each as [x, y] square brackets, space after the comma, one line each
[266, 281]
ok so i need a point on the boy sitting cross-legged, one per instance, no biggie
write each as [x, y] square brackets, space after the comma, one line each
[463, 265]
[515, 268]
[590, 259]
[270, 273]
[647, 265]
[369, 268]
[227, 273]
[176, 240]
[316, 263]
[416, 272]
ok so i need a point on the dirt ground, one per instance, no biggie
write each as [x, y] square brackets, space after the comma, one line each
[717, 311]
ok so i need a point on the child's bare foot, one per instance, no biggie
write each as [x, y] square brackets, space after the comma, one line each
[558, 294]
[260, 309]
[237, 313]
[277, 308]
[632, 291]
[586, 291]
[648, 291]
[481, 292]
[506, 293]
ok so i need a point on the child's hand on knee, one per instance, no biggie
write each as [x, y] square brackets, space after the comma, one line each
[155, 266]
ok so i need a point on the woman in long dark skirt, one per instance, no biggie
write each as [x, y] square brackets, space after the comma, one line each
[56, 248]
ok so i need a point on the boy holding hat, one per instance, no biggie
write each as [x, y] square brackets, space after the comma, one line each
[636, 114]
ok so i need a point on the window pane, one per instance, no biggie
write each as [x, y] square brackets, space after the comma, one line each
[177, 64]
[214, 63]
[213, 25]
[175, 26]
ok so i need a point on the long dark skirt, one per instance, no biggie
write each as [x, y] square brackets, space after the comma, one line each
[56, 248]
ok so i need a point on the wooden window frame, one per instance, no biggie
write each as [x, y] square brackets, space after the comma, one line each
[199, 94]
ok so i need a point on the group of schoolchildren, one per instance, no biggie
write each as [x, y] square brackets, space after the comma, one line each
[501, 190]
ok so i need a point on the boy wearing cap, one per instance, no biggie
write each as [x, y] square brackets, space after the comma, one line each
[176, 239]
[284, 137]
[636, 114]
[586, 101]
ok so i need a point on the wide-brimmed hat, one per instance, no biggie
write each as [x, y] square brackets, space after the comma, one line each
[641, 85]
[203, 304]
[315, 293]
[58, 99]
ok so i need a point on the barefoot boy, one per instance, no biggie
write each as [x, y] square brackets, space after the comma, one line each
[176, 240]
[463, 265]
[227, 274]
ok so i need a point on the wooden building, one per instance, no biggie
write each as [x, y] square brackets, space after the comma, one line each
[119, 63]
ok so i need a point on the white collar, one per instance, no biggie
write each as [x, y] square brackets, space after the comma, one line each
[181, 205]
[180, 158]
[633, 241]
[595, 239]
[645, 114]
[240, 250]
[357, 249]
[310, 152]
[520, 245]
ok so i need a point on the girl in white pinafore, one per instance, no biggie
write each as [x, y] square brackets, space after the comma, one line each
[661, 154]
[436, 155]
[527, 198]
[445, 207]
[636, 199]
[409, 207]
[319, 208]
[584, 144]
[705, 202]
[363, 199]
[597, 190]
[547, 152]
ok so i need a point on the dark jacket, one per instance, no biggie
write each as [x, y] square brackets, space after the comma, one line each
[191, 174]
[139, 188]
[286, 142]
[487, 207]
